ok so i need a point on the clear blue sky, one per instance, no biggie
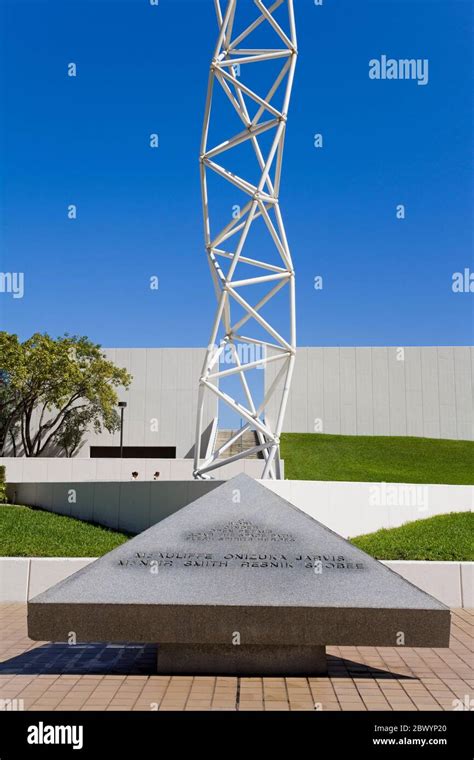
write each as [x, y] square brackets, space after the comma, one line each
[143, 69]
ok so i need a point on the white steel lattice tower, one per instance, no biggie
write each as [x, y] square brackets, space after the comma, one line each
[242, 275]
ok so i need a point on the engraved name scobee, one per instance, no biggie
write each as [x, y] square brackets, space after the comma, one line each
[236, 531]
[243, 560]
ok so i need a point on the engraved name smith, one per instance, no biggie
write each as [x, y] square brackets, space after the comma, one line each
[243, 560]
[234, 532]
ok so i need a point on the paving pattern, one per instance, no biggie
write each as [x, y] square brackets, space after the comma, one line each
[44, 676]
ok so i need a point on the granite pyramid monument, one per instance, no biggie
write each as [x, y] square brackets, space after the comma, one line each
[239, 581]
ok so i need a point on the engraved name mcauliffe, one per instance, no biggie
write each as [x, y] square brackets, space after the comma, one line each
[210, 559]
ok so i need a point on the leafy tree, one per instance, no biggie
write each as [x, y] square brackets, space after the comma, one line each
[70, 435]
[10, 402]
[3, 487]
[51, 391]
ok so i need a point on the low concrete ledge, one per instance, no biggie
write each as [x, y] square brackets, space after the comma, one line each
[47, 571]
[22, 578]
[443, 580]
[24, 470]
[14, 579]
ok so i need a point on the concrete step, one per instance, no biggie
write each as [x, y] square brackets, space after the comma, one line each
[246, 441]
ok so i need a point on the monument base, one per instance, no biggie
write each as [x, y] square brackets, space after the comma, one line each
[239, 660]
[240, 564]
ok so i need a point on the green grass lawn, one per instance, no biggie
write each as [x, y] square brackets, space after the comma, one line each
[26, 532]
[313, 456]
[444, 538]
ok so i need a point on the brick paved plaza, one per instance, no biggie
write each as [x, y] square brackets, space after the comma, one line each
[97, 677]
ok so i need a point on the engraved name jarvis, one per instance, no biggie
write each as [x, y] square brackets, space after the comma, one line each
[244, 560]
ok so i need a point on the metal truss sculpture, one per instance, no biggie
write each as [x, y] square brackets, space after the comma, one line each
[230, 72]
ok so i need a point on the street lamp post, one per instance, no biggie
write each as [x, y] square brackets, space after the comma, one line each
[122, 406]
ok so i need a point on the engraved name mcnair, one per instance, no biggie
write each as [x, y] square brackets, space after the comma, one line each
[243, 560]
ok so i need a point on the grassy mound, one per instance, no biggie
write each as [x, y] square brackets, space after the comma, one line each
[443, 538]
[313, 456]
[26, 532]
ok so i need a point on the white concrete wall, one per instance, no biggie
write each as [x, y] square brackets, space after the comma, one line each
[164, 388]
[416, 391]
[82, 469]
[129, 507]
[352, 509]
[422, 391]
[22, 578]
